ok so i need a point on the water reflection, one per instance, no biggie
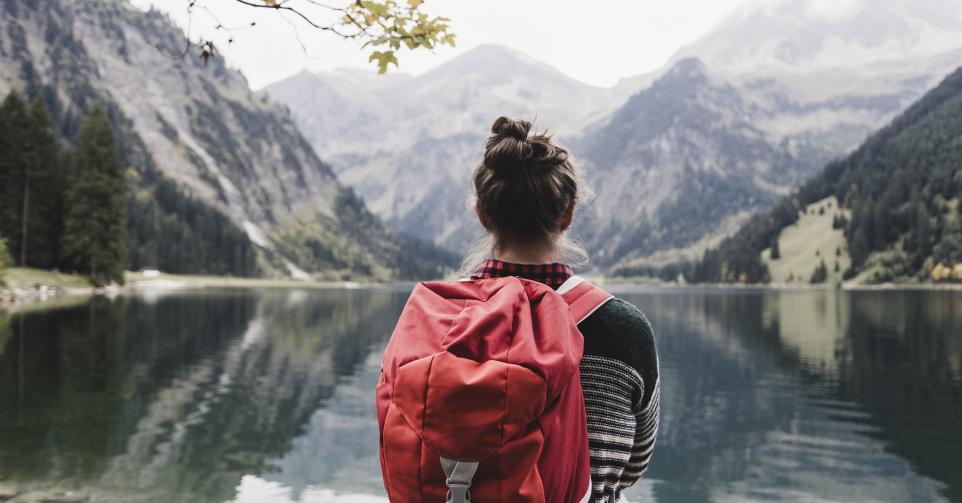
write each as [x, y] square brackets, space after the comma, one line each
[793, 396]
[176, 399]
[266, 396]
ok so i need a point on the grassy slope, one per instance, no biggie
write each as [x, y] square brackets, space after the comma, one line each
[26, 278]
[798, 244]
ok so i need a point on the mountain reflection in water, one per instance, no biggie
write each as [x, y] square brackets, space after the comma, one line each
[266, 396]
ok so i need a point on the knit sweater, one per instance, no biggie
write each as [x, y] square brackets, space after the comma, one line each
[619, 376]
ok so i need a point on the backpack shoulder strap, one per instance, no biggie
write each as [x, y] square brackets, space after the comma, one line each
[582, 297]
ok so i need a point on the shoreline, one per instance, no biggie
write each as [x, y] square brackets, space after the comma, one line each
[845, 286]
[52, 286]
[32, 287]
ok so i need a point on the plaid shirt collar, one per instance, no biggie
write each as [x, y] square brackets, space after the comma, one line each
[552, 275]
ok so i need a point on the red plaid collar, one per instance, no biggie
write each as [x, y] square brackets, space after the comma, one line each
[552, 275]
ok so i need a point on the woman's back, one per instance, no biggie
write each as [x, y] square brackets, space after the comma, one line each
[619, 377]
[526, 189]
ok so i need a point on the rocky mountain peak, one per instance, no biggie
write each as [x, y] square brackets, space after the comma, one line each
[816, 35]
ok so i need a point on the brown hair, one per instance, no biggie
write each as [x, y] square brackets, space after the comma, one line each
[523, 187]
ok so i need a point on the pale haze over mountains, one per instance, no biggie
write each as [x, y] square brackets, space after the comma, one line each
[679, 157]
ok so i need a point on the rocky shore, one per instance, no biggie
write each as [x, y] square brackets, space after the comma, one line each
[11, 297]
[9, 494]
[24, 286]
[37, 293]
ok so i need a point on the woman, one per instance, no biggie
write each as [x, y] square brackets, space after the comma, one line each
[526, 189]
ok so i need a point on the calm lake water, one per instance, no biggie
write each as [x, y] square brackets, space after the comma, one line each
[266, 396]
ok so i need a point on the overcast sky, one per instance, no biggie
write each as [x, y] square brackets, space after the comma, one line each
[596, 41]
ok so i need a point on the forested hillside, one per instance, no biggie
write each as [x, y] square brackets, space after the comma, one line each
[216, 180]
[902, 188]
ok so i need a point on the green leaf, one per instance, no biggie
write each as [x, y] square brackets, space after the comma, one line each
[377, 9]
[383, 59]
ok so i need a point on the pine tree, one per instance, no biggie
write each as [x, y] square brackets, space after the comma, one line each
[94, 238]
[859, 247]
[4, 259]
[820, 274]
[851, 196]
[6, 170]
[43, 195]
[923, 231]
[30, 194]
[13, 181]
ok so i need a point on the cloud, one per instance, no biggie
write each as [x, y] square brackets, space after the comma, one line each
[834, 10]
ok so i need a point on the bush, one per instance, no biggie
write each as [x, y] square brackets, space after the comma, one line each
[820, 274]
[849, 273]
[5, 259]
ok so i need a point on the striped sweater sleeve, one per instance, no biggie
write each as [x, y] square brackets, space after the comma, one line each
[619, 375]
[646, 429]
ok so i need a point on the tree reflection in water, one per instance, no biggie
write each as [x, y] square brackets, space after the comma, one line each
[267, 396]
[808, 395]
[179, 398]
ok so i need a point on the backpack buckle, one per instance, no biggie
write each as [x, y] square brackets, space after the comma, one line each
[458, 493]
[458, 476]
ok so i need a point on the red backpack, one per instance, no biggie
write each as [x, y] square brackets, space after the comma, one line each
[480, 394]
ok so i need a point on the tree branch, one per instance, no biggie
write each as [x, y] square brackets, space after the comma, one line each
[308, 20]
[384, 25]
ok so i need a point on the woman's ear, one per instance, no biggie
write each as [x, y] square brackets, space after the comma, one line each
[481, 219]
[568, 217]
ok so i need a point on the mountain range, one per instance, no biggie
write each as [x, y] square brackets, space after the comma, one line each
[201, 151]
[894, 204]
[679, 158]
[407, 144]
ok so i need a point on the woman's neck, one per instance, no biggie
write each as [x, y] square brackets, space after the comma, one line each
[528, 255]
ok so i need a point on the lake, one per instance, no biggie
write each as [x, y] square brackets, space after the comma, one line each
[266, 396]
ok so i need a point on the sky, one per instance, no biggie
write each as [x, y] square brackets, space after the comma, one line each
[596, 42]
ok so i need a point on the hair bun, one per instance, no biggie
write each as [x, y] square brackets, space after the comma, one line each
[517, 129]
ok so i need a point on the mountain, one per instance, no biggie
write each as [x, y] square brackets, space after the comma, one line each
[212, 169]
[900, 194]
[833, 72]
[407, 145]
[771, 37]
[804, 82]
[681, 164]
